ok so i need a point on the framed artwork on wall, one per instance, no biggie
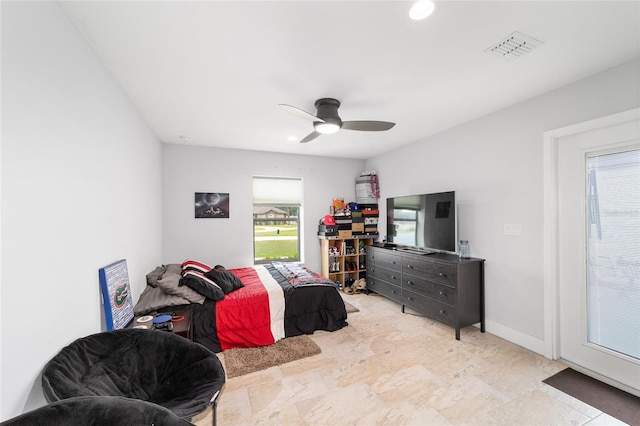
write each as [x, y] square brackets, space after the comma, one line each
[211, 205]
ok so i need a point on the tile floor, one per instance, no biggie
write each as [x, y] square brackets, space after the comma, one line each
[389, 368]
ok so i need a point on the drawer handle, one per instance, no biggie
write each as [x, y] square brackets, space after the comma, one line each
[443, 275]
[393, 262]
[410, 298]
[410, 282]
[444, 293]
[393, 291]
[410, 266]
[443, 312]
[393, 277]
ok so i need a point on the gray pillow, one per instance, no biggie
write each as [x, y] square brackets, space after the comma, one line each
[174, 268]
[153, 298]
[155, 275]
[170, 285]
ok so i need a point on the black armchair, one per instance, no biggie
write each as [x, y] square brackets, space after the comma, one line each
[98, 411]
[149, 365]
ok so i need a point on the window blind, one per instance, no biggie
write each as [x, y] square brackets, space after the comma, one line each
[613, 212]
[277, 191]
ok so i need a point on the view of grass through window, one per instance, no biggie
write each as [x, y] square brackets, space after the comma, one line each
[277, 203]
[276, 238]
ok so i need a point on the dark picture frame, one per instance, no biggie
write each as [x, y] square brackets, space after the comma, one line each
[211, 205]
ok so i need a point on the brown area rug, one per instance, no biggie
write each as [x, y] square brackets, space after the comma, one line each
[350, 307]
[238, 362]
[608, 399]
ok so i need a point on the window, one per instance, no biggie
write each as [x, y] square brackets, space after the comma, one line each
[613, 231]
[277, 204]
[406, 226]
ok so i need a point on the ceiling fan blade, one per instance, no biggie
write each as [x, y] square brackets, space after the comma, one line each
[301, 113]
[368, 126]
[311, 136]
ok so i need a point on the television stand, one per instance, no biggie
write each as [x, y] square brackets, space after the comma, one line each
[441, 285]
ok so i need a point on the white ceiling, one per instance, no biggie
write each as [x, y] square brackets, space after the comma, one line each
[215, 71]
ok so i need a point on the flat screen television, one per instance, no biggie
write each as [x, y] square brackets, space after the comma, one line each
[426, 222]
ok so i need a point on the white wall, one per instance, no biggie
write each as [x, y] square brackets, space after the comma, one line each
[81, 188]
[495, 165]
[189, 169]
[84, 183]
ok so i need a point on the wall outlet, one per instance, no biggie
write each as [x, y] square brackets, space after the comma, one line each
[513, 229]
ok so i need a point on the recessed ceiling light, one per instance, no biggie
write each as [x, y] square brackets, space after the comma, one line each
[422, 9]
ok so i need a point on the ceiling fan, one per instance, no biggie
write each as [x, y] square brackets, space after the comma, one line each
[327, 120]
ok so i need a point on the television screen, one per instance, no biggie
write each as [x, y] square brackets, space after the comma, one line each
[426, 221]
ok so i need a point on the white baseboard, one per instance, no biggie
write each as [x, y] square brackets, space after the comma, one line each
[526, 341]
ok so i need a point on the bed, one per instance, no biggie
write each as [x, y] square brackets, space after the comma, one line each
[245, 307]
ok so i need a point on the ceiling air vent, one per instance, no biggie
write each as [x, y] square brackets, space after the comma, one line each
[514, 46]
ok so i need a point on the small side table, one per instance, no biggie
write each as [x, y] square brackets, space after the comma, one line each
[182, 327]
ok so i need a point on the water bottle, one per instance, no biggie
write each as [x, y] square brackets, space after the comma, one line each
[464, 250]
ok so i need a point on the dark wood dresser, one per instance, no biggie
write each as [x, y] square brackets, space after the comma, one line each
[439, 285]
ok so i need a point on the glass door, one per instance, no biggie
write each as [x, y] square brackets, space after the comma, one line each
[599, 252]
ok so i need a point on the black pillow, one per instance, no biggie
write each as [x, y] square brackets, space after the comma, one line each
[201, 284]
[225, 279]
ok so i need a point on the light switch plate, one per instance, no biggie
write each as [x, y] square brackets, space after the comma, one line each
[513, 229]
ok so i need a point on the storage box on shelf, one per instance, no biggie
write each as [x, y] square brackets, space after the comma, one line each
[357, 223]
[370, 214]
[365, 189]
[327, 230]
[343, 222]
[344, 258]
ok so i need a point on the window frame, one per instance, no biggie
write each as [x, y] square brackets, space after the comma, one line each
[274, 202]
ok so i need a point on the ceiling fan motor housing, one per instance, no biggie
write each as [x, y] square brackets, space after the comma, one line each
[327, 109]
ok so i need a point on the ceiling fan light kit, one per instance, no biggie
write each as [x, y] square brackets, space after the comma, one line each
[326, 128]
[327, 121]
[422, 9]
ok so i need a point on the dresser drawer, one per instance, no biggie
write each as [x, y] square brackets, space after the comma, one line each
[430, 289]
[432, 271]
[432, 308]
[387, 259]
[384, 288]
[386, 274]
